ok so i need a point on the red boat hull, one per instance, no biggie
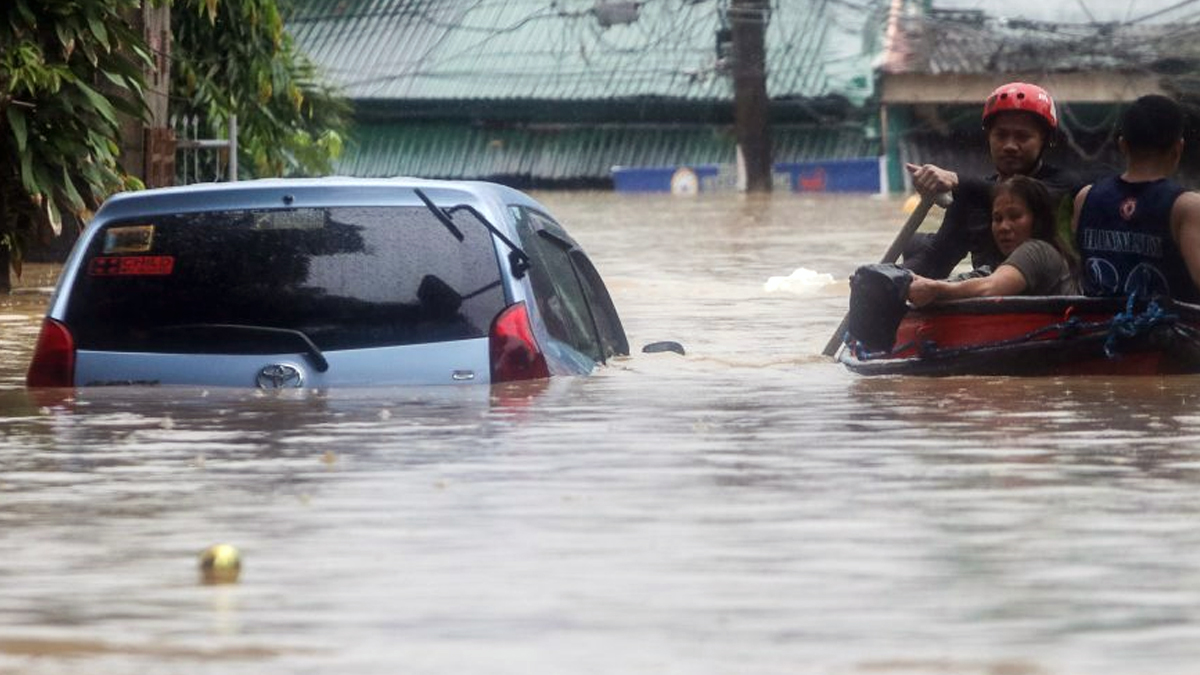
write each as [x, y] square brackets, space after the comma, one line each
[1062, 335]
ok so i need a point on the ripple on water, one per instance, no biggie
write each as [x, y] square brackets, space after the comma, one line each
[750, 507]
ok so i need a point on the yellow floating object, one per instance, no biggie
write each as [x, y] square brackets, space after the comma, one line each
[220, 564]
[911, 203]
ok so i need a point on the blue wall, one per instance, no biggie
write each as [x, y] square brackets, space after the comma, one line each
[832, 175]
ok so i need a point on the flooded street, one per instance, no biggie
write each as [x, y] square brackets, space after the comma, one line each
[748, 508]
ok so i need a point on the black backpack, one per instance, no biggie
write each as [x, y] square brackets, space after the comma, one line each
[878, 301]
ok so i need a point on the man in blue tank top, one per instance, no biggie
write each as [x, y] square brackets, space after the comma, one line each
[1140, 231]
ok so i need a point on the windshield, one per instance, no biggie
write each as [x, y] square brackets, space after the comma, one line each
[346, 278]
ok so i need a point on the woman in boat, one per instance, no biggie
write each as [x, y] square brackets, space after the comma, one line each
[1036, 261]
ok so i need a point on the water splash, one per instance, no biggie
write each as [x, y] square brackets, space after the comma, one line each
[802, 281]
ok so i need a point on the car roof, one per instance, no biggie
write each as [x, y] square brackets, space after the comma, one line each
[301, 192]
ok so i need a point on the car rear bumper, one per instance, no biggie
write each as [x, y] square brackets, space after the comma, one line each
[443, 363]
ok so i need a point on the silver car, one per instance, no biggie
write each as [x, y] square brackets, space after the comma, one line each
[326, 282]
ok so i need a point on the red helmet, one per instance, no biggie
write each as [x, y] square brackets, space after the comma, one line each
[1023, 97]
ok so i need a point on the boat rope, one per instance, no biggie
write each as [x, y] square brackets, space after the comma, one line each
[1125, 324]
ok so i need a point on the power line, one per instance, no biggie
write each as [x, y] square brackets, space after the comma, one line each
[1162, 11]
[1128, 11]
[1086, 11]
[688, 25]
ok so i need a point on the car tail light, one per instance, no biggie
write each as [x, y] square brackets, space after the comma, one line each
[515, 354]
[53, 362]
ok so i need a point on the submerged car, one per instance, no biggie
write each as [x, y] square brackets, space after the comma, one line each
[325, 282]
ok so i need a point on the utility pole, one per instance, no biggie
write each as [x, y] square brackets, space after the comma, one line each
[159, 160]
[148, 146]
[748, 23]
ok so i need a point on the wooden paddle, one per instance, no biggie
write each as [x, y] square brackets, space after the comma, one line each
[890, 256]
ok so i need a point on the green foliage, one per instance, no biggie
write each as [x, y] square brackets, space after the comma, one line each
[67, 67]
[234, 57]
[70, 68]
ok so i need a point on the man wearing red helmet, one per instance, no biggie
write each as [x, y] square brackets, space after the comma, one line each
[1020, 121]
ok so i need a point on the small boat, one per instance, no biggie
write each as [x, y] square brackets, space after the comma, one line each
[1028, 335]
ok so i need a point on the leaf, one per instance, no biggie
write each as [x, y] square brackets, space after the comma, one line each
[53, 217]
[101, 33]
[94, 139]
[135, 109]
[101, 104]
[28, 180]
[89, 52]
[16, 120]
[334, 143]
[16, 260]
[44, 178]
[94, 178]
[125, 67]
[71, 193]
[66, 39]
[142, 54]
[27, 13]
[115, 78]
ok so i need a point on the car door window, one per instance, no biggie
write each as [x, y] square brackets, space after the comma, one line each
[608, 323]
[560, 298]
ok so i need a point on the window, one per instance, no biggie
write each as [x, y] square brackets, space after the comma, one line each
[561, 300]
[572, 298]
[346, 277]
[608, 323]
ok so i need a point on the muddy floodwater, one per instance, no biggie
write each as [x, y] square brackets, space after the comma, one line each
[749, 508]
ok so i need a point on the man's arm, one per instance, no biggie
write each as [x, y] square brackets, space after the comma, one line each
[945, 248]
[1185, 227]
[932, 180]
[1082, 197]
[975, 190]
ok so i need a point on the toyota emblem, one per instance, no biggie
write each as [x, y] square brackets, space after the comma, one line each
[280, 376]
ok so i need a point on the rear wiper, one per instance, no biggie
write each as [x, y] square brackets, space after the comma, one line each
[517, 259]
[441, 215]
[310, 349]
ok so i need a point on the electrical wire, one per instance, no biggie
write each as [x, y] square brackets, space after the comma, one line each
[1086, 11]
[1160, 12]
[1067, 45]
[668, 23]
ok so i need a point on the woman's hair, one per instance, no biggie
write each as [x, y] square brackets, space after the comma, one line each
[1041, 207]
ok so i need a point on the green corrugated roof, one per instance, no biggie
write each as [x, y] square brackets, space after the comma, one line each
[395, 50]
[574, 153]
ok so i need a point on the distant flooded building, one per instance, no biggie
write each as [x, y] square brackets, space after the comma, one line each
[557, 93]
[939, 66]
[543, 93]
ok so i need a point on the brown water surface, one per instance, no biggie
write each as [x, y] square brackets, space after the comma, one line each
[748, 508]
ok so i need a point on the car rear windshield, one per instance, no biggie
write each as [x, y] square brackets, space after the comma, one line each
[347, 278]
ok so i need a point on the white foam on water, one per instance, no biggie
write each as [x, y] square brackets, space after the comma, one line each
[802, 281]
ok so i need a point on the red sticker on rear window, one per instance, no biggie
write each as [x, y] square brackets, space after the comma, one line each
[132, 265]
